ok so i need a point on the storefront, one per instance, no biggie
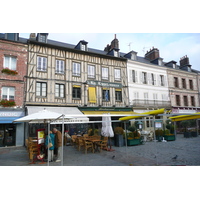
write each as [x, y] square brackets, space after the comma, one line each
[11, 134]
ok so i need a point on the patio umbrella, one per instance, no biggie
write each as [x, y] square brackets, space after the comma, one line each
[43, 116]
[107, 130]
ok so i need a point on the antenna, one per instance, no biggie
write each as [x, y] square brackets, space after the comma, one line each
[129, 44]
[144, 48]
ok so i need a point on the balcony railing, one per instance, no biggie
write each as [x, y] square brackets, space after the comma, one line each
[150, 103]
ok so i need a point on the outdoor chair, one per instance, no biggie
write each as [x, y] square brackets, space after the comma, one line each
[150, 136]
[73, 140]
[88, 145]
[79, 142]
[103, 144]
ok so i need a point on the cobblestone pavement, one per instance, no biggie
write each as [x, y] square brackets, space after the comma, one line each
[186, 151]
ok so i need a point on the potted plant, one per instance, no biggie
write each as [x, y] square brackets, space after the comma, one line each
[159, 134]
[185, 124]
[169, 136]
[169, 132]
[133, 136]
[119, 132]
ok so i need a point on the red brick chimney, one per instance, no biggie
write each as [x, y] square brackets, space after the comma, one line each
[152, 54]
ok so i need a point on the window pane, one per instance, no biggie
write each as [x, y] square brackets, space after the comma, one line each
[13, 63]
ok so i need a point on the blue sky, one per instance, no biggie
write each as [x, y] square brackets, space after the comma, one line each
[172, 46]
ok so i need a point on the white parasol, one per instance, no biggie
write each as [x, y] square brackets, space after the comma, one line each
[107, 130]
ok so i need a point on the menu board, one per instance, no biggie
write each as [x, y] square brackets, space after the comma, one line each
[40, 135]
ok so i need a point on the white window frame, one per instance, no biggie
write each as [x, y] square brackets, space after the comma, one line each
[104, 71]
[76, 69]
[60, 66]
[91, 71]
[144, 77]
[8, 93]
[41, 89]
[117, 75]
[43, 65]
[10, 62]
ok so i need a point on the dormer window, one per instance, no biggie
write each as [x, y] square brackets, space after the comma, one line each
[115, 53]
[42, 37]
[12, 36]
[82, 45]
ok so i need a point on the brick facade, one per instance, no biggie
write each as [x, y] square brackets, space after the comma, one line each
[19, 51]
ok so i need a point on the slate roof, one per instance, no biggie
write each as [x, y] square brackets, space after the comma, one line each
[91, 50]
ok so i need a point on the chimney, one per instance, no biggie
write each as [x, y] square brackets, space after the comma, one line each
[152, 54]
[114, 45]
[32, 36]
[184, 61]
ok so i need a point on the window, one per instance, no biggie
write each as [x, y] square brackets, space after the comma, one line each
[92, 95]
[192, 101]
[191, 84]
[10, 62]
[8, 93]
[175, 82]
[152, 79]
[178, 100]
[183, 83]
[118, 95]
[106, 94]
[133, 76]
[76, 92]
[144, 77]
[91, 71]
[83, 47]
[41, 89]
[185, 99]
[76, 69]
[104, 73]
[60, 66]
[115, 53]
[162, 80]
[117, 75]
[146, 98]
[41, 63]
[60, 90]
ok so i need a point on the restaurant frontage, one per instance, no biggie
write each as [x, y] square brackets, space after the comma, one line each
[11, 134]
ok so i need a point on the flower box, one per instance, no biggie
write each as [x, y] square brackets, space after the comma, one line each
[170, 137]
[7, 103]
[132, 142]
[9, 71]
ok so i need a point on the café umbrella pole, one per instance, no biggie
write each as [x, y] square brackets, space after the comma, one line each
[62, 139]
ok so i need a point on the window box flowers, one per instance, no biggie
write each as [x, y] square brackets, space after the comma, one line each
[9, 71]
[7, 103]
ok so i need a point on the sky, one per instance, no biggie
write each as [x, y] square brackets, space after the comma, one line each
[172, 46]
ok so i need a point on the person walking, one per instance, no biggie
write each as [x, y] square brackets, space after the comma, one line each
[58, 143]
[50, 140]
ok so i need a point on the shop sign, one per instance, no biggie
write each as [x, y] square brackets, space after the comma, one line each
[104, 84]
[11, 114]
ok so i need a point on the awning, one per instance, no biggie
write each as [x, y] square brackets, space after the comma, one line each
[185, 117]
[93, 112]
[8, 120]
[153, 112]
[74, 112]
